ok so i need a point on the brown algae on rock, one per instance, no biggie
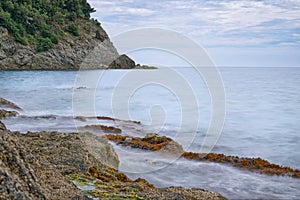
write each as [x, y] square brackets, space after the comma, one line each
[252, 164]
[151, 142]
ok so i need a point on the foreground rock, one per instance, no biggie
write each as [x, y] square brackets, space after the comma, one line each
[54, 165]
[17, 176]
[38, 163]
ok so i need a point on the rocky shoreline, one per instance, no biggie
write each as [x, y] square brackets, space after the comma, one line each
[56, 165]
[154, 142]
[52, 165]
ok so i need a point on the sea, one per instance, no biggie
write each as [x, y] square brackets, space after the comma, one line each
[241, 111]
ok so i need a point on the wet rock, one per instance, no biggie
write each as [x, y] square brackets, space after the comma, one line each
[151, 135]
[8, 104]
[81, 87]
[100, 149]
[6, 113]
[45, 117]
[122, 62]
[83, 118]
[116, 185]
[253, 164]
[139, 66]
[101, 129]
[173, 147]
[152, 142]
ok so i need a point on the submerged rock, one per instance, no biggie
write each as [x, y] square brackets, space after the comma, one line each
[83, 118]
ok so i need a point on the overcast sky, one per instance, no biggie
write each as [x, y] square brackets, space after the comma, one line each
[234, 33]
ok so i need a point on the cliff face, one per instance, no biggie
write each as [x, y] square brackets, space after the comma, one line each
[92, 49]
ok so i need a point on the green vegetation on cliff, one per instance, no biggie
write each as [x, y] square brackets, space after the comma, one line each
[42, 22]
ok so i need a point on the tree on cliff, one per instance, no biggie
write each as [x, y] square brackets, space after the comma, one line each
[42, 22]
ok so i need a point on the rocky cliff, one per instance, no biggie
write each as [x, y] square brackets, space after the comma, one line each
[54, 35]
[92, 49]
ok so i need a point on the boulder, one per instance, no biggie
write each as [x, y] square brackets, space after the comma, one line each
[100, 149]
[122, 62]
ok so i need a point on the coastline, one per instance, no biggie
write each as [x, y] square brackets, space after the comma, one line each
[83, 166]
[88, 165]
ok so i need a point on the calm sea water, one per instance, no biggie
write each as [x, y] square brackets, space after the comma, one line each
[262, 118]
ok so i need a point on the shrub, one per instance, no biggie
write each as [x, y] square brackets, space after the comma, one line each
[20, 39]
[73, 29]
[51, 36]
[44, 44]
[38, 21]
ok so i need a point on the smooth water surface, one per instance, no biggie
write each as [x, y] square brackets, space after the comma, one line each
[262, 118]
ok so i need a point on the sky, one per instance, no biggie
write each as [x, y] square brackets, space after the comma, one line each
[261, 33]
